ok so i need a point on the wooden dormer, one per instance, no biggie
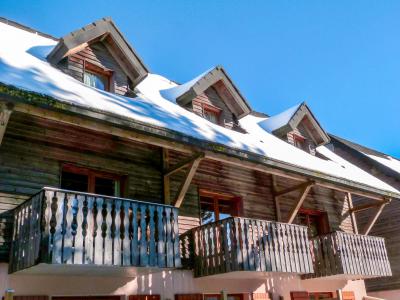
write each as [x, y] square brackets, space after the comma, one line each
[99, 53]
[213, 96]
[299, 127]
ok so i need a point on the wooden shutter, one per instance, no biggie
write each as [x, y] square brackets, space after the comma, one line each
[144, 297]
[348, 296]
[260, 296]
[299, 296]
[188, 297]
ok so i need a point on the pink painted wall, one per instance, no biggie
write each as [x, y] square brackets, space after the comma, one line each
[387, 295]
[169, 283]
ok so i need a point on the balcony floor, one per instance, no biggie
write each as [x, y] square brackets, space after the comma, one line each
[88, 270]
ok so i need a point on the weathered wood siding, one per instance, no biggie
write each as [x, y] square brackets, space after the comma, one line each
[96, 54]
[387, 225]
[34, 149]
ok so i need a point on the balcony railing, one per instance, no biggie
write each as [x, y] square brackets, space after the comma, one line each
[352, 255]
[72, 228]
[241, 244]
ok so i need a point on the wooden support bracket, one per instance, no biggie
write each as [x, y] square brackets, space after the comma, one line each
[5, 113]
[276, 199]
[166, 183]
[186, 181]
[375, 217]
[352, 214]
[299, 203]
[184, 163]
[292, 189]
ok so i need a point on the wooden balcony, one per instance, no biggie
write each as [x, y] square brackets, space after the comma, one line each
[351, 256]
[58, 231]
[235, 245]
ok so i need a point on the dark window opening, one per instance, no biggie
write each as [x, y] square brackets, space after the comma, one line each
[215, 207]
[91, 181]
[316, 221]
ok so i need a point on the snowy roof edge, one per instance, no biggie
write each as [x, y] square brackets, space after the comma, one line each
[16, 95]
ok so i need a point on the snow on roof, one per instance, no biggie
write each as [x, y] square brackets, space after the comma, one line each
[388, 161]
[279, 120]
[23, 64]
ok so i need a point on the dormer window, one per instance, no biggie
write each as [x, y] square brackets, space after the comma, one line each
[97, 77]
[299, 141]
[211, 113]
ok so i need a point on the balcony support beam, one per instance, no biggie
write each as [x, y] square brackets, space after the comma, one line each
[299, 203]
[166, 183]
[276, 199]
[186, 181]
[375, 217]
[184, 163]
[5, 113]
[349, 199]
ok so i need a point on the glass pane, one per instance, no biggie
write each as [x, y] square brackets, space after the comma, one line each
[94, 80]
[207, 210]
[227, 208]
[105, 186]
[210, 116]
[74, 182]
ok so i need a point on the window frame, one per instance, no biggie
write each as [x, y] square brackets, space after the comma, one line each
[211, 109]
[92, 174]
[89, 67]
[323, 225]
[216, 196]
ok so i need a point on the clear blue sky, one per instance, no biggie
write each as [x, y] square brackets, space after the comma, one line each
[341, 57]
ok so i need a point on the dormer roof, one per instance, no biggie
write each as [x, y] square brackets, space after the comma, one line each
[215, 77]
[289, 120]
[106, 31]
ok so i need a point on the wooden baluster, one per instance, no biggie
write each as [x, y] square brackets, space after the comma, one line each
[85, 239]
[98, 255]
[58, 210]
[245, 249]
[273, 247]
[161, 237]
[152, 241]
[299, 250]
[294, 248]
[79, 243]
[143, 235]
[238, 261]
[261, 243]
[117, 242]
[282, 250]
[126, 241]
[107, 231]
[175, 229]
[135, 235]
[254, 242]
[307, 249]
[169, 244]
[89, 216]
[45, 227]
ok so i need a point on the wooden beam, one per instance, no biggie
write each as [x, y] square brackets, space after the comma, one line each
[292, 189]
[299, 203]
[166, 183]
[182, 164]
[374, 218]
[186, 182]
[276, 199]
[5, 113]
[349, 199]
[362, 207]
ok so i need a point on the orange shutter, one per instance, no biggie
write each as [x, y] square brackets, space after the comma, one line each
[348, 296]
[144, 297]
[299, 296]
[188, 297]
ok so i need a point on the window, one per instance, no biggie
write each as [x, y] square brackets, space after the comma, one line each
[96, 77]
[211, 113]
[86, 180]
[315, 220]
[215, 206]
[299, 141]
[321, 295]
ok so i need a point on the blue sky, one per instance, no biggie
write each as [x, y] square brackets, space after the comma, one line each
[341, 57]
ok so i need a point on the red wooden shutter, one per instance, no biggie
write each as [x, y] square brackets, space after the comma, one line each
[188, 297]
[144, 297]
[260, 296]
[348, 296]
[299, 296]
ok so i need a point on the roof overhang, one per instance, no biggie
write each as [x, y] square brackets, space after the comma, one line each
[49, 107]
[225, 87]
[103, 30]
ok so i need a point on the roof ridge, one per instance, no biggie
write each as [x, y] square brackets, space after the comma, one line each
[27, 28]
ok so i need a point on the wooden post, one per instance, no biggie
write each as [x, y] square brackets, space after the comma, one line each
[9, 294]
[166, 185]
[276, 199]
[373, 219]
[352, 214]
[5, 112]
[186, 182]
[299, 203]
[224, 295]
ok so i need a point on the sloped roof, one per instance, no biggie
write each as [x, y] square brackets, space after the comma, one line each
[376, 157]
[23, 65]
[289, 119]
[106, 31]
[186, 92]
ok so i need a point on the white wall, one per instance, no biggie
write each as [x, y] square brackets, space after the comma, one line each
[167, 284]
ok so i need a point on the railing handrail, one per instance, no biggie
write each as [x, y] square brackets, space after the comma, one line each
[346, 233]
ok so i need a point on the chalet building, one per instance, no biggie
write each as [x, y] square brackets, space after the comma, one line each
[387, 169]
[118, 183]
